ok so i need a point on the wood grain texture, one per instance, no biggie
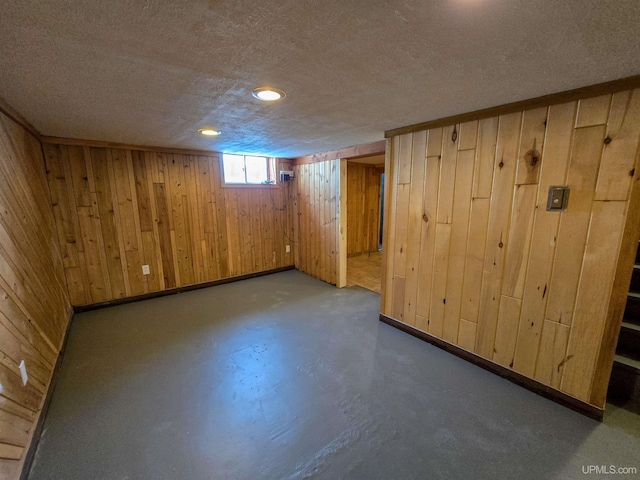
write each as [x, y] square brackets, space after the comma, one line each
[357, 151]
[414, 229]
[34, 304]
[127, 208]
[318, 232]
[613, 86]
[539, 292]
[363, 207]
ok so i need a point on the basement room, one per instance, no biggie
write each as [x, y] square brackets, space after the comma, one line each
[319, 240]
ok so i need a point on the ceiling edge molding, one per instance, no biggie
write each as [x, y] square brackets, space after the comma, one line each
[622, 84]
[124, 146]
[14, 115]
[357, 151]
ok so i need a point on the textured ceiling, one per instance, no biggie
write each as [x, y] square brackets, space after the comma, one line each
[151, 72]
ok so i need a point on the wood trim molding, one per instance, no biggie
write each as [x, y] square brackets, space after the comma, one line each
[173, 291]
[357, 151]
[526, 382]
[124, 146]
[19, 119]
[30, 452]
[622, 84]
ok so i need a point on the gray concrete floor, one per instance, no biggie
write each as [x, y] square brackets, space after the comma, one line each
[286, 377]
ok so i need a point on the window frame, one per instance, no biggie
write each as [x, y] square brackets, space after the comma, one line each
[272, 176]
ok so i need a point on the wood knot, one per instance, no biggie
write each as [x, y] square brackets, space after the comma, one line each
[454, 135]
[607, 140]
[632, 172]
[532, 157]
[501, 164]
[401, 250]
[444, 300]
[501, 245]
[425, 218]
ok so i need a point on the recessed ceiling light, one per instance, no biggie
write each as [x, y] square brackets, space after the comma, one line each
[209, 132]
[268, 94]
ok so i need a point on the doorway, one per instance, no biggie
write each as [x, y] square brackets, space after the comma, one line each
[365, 193]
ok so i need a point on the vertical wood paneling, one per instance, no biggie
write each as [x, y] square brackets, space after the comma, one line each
[574, 224]
[554, 171]
[414, 230]
[34, 304]
[497, 274]
[459, 233]
[341, 206]
[485, 157]
[439, 281]
[551, 357]
[316, 213]
[594, 290]
[447, 173]
[620, 148]
[168, 211]
[428, 230]
[474, 261]
[363, 206]
[499, 216]
[506, 330]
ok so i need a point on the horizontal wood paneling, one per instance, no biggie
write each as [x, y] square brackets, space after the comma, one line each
[34, 305]
[499, 275]
[118, 209]
[317, 199]
[363, 207]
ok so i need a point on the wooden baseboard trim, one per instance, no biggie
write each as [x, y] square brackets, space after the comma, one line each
[37, 431]
[517, 378]
[173, 291]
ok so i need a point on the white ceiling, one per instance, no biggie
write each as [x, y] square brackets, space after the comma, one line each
[151, 72]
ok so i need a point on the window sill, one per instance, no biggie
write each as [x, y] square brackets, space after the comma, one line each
[253, 185]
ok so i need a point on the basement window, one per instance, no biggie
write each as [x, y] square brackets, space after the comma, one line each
[248, 170]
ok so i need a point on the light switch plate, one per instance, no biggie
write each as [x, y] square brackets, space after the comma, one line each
[146, 270]
[558, 198]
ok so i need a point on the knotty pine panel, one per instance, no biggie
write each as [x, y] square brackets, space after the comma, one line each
[496, 273]
[363, 207]
[34, 304]
[317, 198]
[122, 209]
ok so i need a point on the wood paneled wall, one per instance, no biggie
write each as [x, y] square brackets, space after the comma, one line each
[317, 226]
[473, 257]
[117, 209]
[363, 207]
[34, 305]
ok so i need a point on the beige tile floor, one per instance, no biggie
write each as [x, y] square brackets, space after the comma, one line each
[365, 271]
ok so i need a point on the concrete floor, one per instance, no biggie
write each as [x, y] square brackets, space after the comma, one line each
[286, 377]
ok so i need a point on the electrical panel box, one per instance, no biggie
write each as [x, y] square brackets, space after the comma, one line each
[286, 175]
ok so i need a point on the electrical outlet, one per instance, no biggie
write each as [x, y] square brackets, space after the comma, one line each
[23, 373]
[287, 248]
[145, 270]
